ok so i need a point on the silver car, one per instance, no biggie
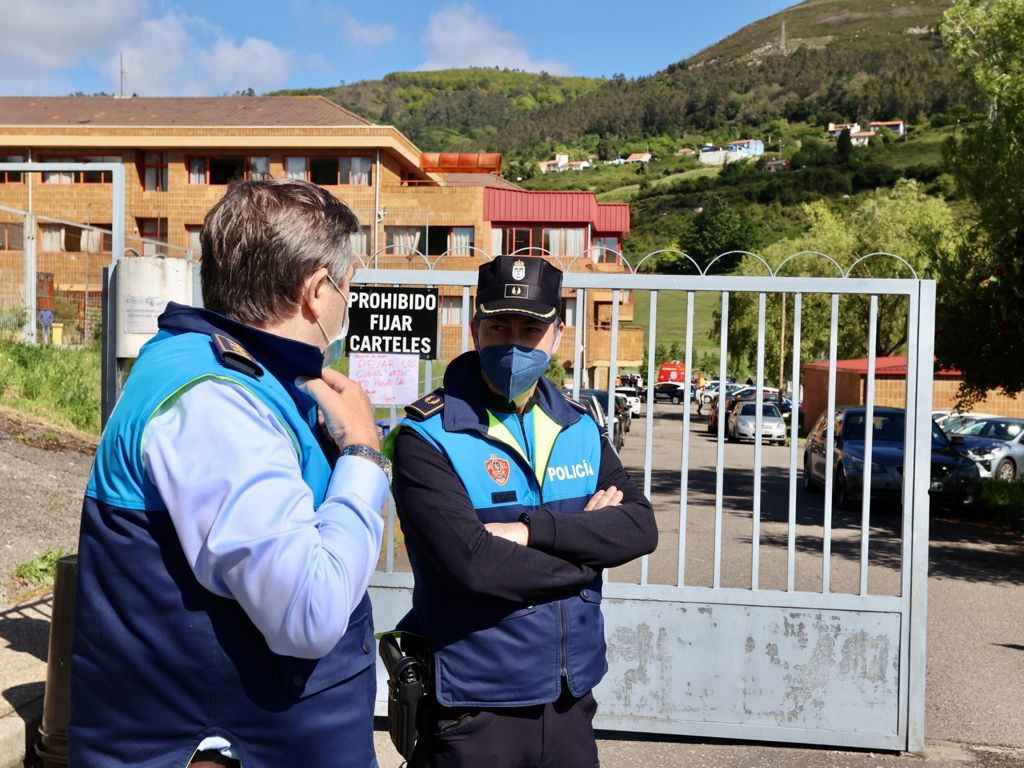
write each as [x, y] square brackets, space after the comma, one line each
[742, 423]
[996, 445]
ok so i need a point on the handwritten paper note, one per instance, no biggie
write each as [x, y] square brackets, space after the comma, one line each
[387, 379]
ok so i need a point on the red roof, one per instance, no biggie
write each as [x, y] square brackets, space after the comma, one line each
[884, 366]
[542, 207]
[190, 111]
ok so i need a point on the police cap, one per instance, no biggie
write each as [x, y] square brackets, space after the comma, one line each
[519, 285]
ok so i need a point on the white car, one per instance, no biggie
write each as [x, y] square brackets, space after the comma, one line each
[632, 397]
[742, 423]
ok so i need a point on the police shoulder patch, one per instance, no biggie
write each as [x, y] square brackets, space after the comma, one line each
[426, 406]
[575, 403]
[233, 355]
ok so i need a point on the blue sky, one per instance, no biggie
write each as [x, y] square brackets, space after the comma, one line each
[210, 47]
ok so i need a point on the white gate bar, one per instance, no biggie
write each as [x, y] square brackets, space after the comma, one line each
[869, 420]
[826, 531]
[649, 432]
[684, 474]
[31, 290]
[389, 557]
[466, 312]
[915, 567]
[720, 461]
[577, 345]
[641, 282]
[613, 372]
[794, 416]
[755, 533]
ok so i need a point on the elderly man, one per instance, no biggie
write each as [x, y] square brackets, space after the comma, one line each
[512, 503]
[226, 547]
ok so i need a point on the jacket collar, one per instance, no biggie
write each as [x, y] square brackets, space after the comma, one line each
[467, 397]
[286, 359]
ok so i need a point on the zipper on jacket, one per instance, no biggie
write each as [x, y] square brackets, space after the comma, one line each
[565, 640]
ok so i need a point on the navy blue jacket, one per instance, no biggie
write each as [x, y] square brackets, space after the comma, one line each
[159, 662]
[507, 623]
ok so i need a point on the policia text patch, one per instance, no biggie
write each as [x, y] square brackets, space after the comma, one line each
[393, 321]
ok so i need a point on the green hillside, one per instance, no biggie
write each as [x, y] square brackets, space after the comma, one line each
[455, 109]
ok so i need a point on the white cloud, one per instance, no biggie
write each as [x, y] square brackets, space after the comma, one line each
[358, 33]
[43, 36]
[185, 55]
[461, 36]
[50, 44]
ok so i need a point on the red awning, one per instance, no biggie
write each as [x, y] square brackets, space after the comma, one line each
[460, 162]
[884, 366]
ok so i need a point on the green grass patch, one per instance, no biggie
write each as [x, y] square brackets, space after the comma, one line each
[59, 384]
[670, 328]
[39, 572]
[1000, 501]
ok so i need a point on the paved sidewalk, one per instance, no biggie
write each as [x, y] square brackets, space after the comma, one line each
[24, 637]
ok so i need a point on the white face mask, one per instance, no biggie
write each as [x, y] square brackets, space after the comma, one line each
[334, 346]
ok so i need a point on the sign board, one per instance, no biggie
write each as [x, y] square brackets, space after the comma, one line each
[144, 286]
[386, 379]
[393, 321]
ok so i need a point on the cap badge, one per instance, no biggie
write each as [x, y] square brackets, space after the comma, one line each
[497, 469]
[518, 269]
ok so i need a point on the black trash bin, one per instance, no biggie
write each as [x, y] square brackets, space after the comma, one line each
[52, 746]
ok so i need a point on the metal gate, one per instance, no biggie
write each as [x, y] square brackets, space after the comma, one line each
[769, 615]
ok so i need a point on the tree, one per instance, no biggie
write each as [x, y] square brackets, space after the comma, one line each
[980, 325]
[720, 228]
[902, 221]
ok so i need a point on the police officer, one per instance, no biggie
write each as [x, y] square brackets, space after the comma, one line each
[512, 504]
[225, 547]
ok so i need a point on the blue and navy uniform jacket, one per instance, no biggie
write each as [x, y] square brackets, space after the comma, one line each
[159, 662]
[486, 652]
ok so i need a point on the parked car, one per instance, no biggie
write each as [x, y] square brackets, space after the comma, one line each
[672, 391]
[597, 411]
[954, 478]
[955, 420]
[711, 390]
[619, 417]
[632, 396]
[742, 424]
[996, 445]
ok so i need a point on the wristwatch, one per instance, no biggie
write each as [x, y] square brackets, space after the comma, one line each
[375, 456]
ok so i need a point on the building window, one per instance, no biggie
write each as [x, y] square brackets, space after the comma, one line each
[217, 170]
[461, 241]
[154, 234]
[361, 242]
[403, 241]
[323, 170]
[59, 177]
[605, 250]
[356, 171]
[565, 242]
[96, 240]
[192, 232]
[259, 168]
[331, 171]
[451, 310]
[11, 236]
[11, 177]
[154, 171]
[80, 177]
[497, 241]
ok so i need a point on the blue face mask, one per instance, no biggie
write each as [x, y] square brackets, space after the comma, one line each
[513, 369]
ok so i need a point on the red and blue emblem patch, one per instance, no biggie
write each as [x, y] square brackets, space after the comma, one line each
[498, 469]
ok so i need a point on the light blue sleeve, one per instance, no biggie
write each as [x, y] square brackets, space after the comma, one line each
[229, 474]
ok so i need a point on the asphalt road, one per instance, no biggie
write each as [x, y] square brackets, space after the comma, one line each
[975, 661]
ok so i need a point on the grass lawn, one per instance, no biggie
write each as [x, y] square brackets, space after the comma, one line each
[671, 321]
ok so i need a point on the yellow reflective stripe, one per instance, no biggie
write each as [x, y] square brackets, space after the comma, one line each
[545, 432]
[498, 431]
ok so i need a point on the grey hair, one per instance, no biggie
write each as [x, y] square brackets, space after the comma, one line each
[263, 239]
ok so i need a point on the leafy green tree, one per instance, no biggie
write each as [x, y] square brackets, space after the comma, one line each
[719, 228]
[980, 323]
[555, 372]
[902, 221]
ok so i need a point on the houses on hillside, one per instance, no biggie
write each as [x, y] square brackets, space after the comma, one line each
[861, 138]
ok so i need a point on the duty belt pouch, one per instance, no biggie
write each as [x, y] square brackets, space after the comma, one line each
[407, 661]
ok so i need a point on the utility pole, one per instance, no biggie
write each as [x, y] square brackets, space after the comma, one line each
[122, 76]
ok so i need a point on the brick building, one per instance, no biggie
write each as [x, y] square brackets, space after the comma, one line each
[180, 153]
